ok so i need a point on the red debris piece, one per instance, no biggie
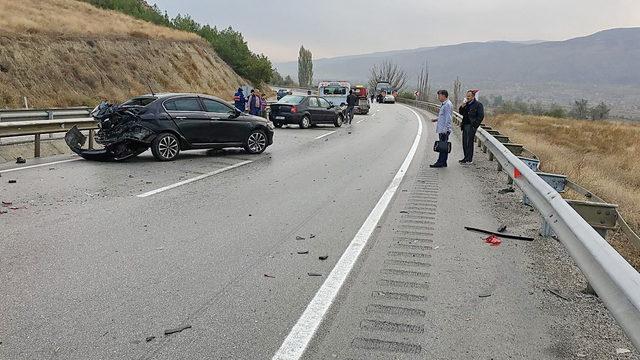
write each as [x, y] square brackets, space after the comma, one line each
[493, 240]
[516, 173]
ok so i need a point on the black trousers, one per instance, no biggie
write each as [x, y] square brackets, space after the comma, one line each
[468, 135]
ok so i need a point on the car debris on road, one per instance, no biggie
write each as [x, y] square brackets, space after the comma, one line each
[177, 330]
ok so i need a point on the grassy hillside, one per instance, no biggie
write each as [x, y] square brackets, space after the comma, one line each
[599, 155]
[66, 52]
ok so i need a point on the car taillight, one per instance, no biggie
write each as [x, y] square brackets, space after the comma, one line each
[294, 109]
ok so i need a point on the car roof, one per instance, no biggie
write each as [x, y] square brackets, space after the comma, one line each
[164, 96]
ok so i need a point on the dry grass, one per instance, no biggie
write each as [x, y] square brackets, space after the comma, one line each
[599, 155]
[68, 53]
[75, 18]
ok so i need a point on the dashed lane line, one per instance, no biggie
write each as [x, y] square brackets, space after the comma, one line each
[323, 135]
[194, 179]
[38, 165]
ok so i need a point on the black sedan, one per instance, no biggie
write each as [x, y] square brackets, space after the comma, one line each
[169, 123]
[306, 111]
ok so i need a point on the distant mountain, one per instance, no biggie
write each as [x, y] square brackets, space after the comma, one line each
[607, 57]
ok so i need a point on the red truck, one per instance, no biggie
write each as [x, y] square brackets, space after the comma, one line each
[363, 99]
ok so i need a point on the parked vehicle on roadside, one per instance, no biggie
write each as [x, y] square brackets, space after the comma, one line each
[170, 123]
[363, 99]
[282, 93]
[305, 111]
[334, 91]
[385, 92]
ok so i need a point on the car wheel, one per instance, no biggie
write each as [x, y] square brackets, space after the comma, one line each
[165, 147]
[278, 125]
[305, 123]
[339, 120]
[256, 142]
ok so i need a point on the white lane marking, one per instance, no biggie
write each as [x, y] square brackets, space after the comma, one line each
[303, 331]
[323, 135]
[200, 177]
[38, 165]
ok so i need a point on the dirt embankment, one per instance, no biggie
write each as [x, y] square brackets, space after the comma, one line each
[66, 52]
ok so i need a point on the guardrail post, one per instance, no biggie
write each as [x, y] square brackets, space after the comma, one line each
[484, 149]
[499, 168]
[50, 116]
[516, 149]
[545, 229]
[601, 216]
[533, 164]
[556, 181]
[91, 135]
[490, 156]
[36, 146]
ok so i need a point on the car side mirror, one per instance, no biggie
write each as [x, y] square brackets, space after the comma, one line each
[331, 106]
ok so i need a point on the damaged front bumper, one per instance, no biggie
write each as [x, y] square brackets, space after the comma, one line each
[121, 133]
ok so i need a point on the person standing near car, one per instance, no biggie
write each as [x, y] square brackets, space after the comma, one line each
[443, 126]
[352, 101]
[239, 100]
[254, 102]
[472, 113]
[263, 106]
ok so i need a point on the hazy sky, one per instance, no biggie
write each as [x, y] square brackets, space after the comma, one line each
[331, 28]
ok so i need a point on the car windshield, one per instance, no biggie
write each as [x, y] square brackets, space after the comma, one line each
[333, 90]
[291, 100]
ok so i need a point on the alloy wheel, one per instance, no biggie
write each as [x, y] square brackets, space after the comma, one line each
[257, 142]
[168, 147]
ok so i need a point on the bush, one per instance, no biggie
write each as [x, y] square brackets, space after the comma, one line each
[407, 95]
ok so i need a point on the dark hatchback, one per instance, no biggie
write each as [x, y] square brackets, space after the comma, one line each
[306, 111]
[169, 123]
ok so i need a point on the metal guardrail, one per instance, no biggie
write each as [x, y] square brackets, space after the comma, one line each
[39, 127]
[43, 114]
[615, 281]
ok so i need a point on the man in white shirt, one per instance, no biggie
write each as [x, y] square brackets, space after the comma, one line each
[443, 126]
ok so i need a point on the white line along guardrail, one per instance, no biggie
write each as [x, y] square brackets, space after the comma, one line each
[615, 281]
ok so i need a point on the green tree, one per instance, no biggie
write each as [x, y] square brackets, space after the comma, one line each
[600, 112]
[556, 111]
[305, 67]
[276, 78]
[288, 81]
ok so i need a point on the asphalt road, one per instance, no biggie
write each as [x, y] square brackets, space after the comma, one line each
[98, 260]
[90, 270]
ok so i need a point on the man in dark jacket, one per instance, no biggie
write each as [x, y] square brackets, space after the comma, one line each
[472, 113]
[352, 101]
[239, 100]
[254, 102]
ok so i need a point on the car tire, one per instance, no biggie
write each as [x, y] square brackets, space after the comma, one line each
[339, 121]
[256, 142]
[305, 122]
[165, 147]
[278, 125]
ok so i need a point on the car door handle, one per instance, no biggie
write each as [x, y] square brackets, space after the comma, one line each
[181, 117]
